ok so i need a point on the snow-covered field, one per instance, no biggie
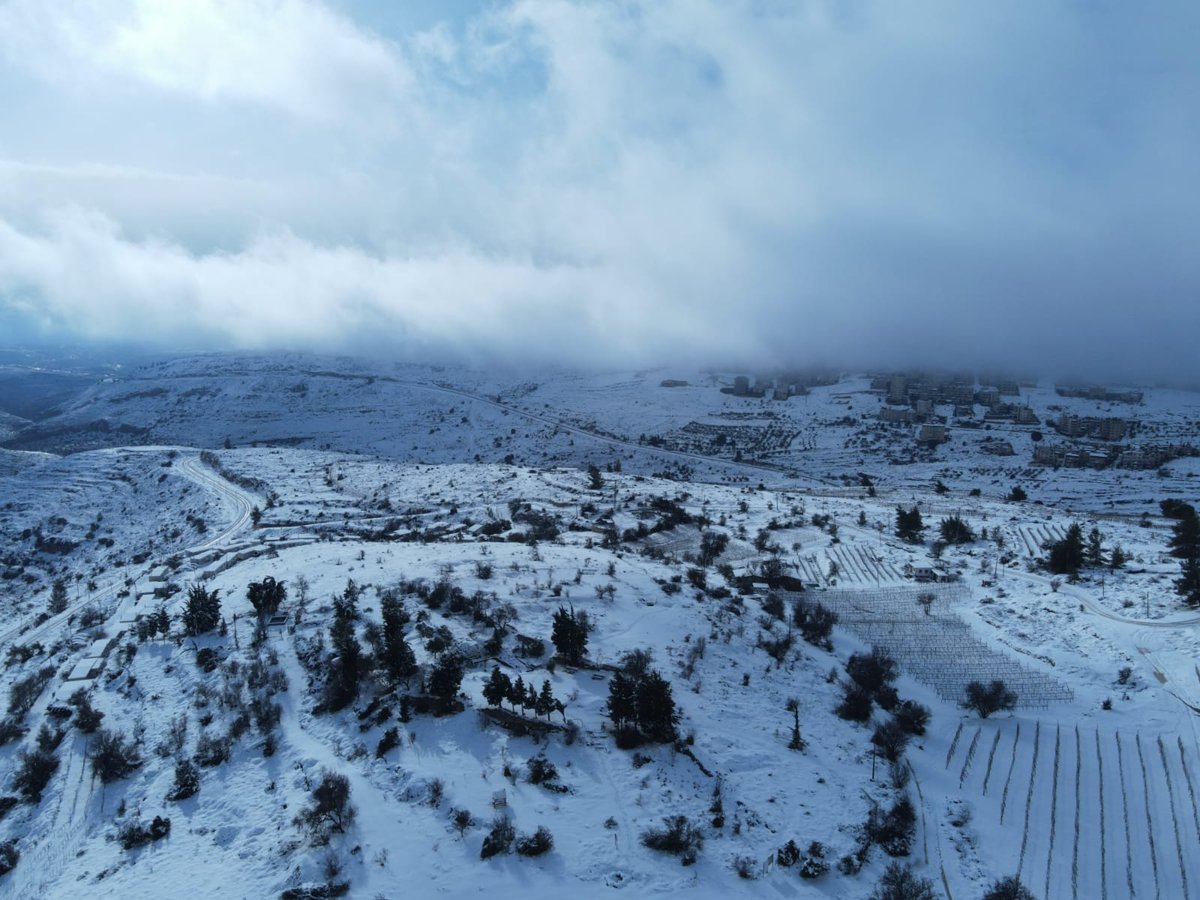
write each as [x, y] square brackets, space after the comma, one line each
[396, 479]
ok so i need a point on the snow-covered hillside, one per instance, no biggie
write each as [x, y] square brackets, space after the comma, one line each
[376, 490]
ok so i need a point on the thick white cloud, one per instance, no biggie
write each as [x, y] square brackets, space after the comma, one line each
[296, 55]
[621, 180]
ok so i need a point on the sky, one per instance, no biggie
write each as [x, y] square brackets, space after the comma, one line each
[608, 183]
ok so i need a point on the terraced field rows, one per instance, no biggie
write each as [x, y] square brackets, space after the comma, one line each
[1102, 813]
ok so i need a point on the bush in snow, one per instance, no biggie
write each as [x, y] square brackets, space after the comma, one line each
[33, 773]
[24, 693]
[499, 839]
[113, 757]
[890, 739]
[136, 834]
[11, 729]
[679, 837]
[988, 699]
[912, 717]
[541, 841]
[212, 750]
[1009, 888]
[187, 781]
[855, 705]
[899, 883]
[9, 855]
[330, 809]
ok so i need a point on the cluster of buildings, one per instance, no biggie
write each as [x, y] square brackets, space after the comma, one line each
[1098, 392]
[1147, 456]
[1108, 428]
[789, 384]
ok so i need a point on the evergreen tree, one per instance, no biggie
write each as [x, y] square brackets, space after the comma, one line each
[622, 699]
[1117, 558]
[570, 634]
[266, 597]
[342, 686]
[656, 707]
[497, 687]
[1067, 556]
[203, 611]
[446, 676]
[1095, 548]
[58, 597]
[909, 526]
[595, 479]
[398, 658]
[1185, 546]
[545, 700]
[955, 530]
[516, 694]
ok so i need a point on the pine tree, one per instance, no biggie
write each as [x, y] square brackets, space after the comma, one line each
[342, 686]
[570, 634]
[58, 597]
[1095, 548]
[656, 707]
[446, 677]
[516, 694]
[1067, 556]
[497, 687]
[545, 700]
[266, 597]
[1185, 545]
[1117, 558]
[595, 479]
[955, 530]
[398, 658]
[909, 525]
[203, 611]
[622, 699]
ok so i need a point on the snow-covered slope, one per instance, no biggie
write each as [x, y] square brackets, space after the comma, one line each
[1080, 799]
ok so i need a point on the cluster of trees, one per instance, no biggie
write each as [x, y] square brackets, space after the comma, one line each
[641, 706]
[1185, 546]
[202, 613]
[570, 634]
[500, 689]
[1070, 554]
[909, 525]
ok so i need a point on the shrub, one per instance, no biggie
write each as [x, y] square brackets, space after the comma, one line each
[329, 810]
[9, 856]
[680, 837]
[1009, 888]
[900, 883]
[389, 741]
[815, 622]
[187, 781]
[912, 717]
[499, 839]
[814, 864]
[11, 729]
[136, 834]
[872, 671]
[541, 841]
[855, 705]
[24, 693]
[212, 750]
[541, 770]
[462, 820]
[113, 757]
[34, 771]
[788, 855]
[987, 700]
[890, 739]
[893, 830]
